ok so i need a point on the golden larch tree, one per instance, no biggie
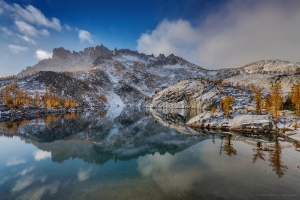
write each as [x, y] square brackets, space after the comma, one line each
[227, 103]
[257, 95]
[213, 109]
[274, 101]
[36, 98]
[295, 97]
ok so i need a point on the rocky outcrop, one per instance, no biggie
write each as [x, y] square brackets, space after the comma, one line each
[191, 93]
[236, 122]
[261, 67]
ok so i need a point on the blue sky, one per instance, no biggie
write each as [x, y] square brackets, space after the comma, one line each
[213, 34]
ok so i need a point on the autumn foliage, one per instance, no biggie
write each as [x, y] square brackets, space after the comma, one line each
[274, 101]
[258, 99]
[295, 97]
[227, 103]
[14, 97]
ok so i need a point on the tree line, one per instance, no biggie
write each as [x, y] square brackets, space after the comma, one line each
[14, 97]
[272, 104]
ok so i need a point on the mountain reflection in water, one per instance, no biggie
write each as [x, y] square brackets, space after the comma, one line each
[133, 153]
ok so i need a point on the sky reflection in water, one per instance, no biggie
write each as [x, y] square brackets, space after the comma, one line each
[136, 156]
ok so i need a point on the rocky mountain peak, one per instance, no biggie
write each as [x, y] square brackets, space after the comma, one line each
[162, 56]
[61, 53]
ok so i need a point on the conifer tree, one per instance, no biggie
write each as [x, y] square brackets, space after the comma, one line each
[213, 109]
[227, 103]
[257, 95]
[36, 98]
[295, 97]
[274, 101]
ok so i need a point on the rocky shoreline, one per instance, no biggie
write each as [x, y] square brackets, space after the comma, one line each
[247, 123]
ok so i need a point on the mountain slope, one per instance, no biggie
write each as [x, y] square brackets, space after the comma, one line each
[127, 77]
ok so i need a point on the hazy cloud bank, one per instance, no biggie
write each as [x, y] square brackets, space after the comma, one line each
[240, 33]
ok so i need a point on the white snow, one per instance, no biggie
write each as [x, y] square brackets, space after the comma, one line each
[173, 66]
[112, 78]
[116, 100]
[128, 58]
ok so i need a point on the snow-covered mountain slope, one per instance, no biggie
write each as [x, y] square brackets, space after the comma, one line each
[265, 80]
[204, 94]
[125, 77]
[261, 67]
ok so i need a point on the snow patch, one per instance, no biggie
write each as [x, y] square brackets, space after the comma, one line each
[173, 66]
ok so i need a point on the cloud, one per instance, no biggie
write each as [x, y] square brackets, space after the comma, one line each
[26, 39]
[15, 161]
[29, 30]
[68, 28]
[26, 181]
[30, 14]
[29, 21]
[84, 174]
[41, 155]
[85, 36]
[240, 33]
[6, 31]
[23, 183]
[17, 49]
[39, 192]
[153, 164]
[4, 179]
[169, 37]
[26, 170]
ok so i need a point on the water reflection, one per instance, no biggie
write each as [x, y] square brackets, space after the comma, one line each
[258, 153]
[134, 154]
[100, 139]
[228, 146]
[276, 160]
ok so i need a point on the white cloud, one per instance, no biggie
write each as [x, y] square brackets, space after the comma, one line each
[26, 39]
[41, 155]
[35, 16]
[6, 31]
[26, 170]
[85, 36]
[30, 21]
[15, 161]
[68, 28]
[29, 30]
[84, 174]
[17, 49]
[23, 183]
[177, 37]
[26, 29]
[240, 33]
[44, 32]
[39, 192]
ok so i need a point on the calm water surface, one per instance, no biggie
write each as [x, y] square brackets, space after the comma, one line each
[136, 154]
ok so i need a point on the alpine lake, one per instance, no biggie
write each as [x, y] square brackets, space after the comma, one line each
[132, 153]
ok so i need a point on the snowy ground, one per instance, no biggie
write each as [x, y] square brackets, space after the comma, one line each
[247, 122]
